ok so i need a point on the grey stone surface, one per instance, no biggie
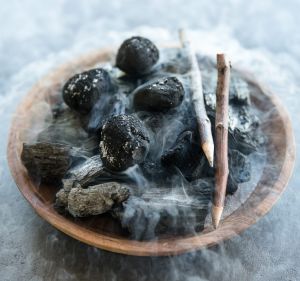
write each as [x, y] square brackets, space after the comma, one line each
[36, 36]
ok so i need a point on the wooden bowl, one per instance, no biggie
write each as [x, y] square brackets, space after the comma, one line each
[102, 231]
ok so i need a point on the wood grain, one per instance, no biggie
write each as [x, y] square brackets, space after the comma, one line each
[105, 233]
[221, 139]
[204, 124]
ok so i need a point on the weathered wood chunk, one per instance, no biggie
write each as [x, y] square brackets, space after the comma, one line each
[95, 200]
[61, 201]
[46, 162]
[89, 172]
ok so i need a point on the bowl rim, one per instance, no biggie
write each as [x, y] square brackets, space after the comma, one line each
[229, 227]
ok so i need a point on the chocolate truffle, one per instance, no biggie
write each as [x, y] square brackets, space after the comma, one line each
[136, 56]
[124, 142]
[84, 89]
[159, 95]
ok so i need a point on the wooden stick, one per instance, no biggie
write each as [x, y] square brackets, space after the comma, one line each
[221, 127]
[204, 125]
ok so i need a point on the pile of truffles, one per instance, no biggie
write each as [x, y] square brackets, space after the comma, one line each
[128, 143]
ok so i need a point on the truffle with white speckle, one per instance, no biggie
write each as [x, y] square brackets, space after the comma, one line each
[84, 89]
[124, 142]
[159, 95]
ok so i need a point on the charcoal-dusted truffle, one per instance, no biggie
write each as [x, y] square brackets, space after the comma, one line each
[84, 89]
[137, 55]
[124, 142]
[158, 95]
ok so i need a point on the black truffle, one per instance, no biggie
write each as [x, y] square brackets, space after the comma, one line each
[137, 55]
[159, 95]
[83, 90]
[124, 142]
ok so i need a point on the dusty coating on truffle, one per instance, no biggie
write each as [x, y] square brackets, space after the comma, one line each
[84, 89]
[137, 55]
[124, 142]
[159, 95]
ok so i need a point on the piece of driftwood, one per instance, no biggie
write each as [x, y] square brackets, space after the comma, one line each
[104, 234]
[94, 200]
[46, 162]
[164, 210]
[61, 200]
[88, 173]
[204, 125]
[221, 128]
[49, 161]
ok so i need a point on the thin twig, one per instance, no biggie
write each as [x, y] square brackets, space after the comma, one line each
[204, 125]
[221, 127]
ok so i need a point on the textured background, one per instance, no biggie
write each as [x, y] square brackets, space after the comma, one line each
[36, 36]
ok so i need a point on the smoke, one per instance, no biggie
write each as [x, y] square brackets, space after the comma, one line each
[30, 249]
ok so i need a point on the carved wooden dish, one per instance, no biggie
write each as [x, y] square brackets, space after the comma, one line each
[105, 233]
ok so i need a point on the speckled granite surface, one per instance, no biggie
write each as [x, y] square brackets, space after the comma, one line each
[36, 36]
